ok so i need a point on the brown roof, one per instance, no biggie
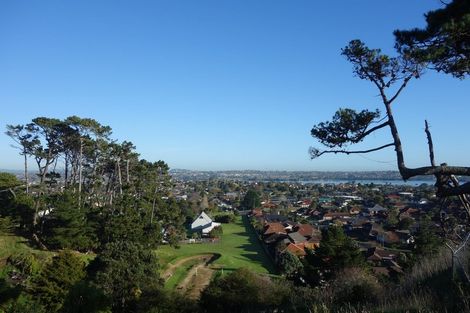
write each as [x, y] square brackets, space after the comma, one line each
[305, 230]
[274, 228]
[257, 212]
[297, 250]
[377, 254]
[391, 237]
[336, 214]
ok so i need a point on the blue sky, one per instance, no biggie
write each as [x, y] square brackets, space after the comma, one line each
[212, 85]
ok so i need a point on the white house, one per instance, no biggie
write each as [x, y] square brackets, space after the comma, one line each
[203, 223]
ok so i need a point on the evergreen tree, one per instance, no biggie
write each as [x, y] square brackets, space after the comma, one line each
[123, 271]
[67, 225]
[251, 200]
[444, 42]
[337, 251]
[290, 264]
[57, 278]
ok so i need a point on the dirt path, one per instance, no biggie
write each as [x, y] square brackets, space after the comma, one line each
[197, 279]
[171, 269]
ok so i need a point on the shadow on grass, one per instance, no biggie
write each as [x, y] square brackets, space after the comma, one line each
[258, 254]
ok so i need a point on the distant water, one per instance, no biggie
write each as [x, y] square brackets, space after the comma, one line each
[394, 182]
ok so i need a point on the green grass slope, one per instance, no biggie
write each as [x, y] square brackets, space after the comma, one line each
[238, 247]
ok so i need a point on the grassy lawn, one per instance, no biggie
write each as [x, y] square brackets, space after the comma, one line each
[10, 244]
[238, 247]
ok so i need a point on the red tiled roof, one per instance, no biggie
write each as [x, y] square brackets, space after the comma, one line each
[273, 228]
[305, 230]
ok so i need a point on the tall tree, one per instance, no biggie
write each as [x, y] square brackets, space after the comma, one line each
[25, 139]
[251, 200]
[47, 150]
[85, 130]
[338, 251]
[390, 75]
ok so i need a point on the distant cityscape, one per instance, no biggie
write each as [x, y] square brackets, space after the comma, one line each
[382, 177]
[293, 176]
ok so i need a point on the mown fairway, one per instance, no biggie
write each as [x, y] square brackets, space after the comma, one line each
[238, 247]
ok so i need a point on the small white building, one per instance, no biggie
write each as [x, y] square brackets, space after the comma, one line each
[204, 224]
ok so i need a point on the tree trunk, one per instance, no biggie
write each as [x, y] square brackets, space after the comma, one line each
[80, 160]
[119, 175]
[154, 204]
[26, 172]
[127, 171]
[396, 139]
[66, 171]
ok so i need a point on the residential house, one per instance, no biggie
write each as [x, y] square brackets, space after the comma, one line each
[274, 228]
[329, 216]
[296, 237]
[204, 224]
[376, 209]
[377, 255]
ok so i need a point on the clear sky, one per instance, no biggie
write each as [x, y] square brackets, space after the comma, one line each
[222, 84]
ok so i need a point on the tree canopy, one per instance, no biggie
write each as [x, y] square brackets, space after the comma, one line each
[445, 41]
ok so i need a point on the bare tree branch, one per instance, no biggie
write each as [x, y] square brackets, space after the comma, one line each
[317, 153]
[373, 129]
[403, 85]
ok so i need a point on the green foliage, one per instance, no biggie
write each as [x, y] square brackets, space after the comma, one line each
[392, 218]
[83, 297]
[162, 301]
[123, 225]
[338, 251]
[216, 232]
[225, 218]
[355, 286]
[52, 285]
[346, 127]
[67, 225]
[8, 181]
[123, 271]
[240, 291]
[372, 65]
[426, 240]
[405, 223]
[25, 262]
[6, 225]
[23, 211]
[251, 200]
[444, 42]
[290, 264]
[25, 304]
